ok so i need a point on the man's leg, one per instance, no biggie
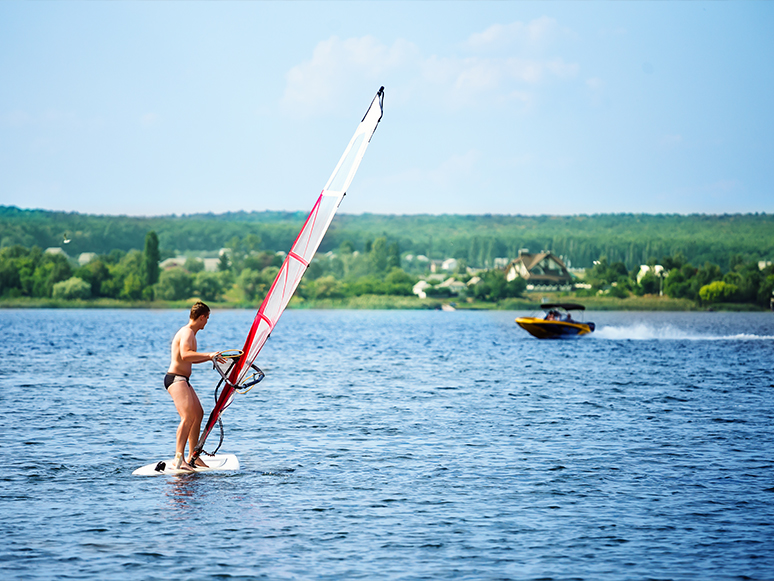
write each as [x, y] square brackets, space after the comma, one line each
[195, 429]
[189, 408]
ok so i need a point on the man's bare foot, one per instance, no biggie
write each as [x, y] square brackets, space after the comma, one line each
[180, 464]
[199, 463]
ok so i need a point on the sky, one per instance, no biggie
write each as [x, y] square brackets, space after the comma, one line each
[156, 108]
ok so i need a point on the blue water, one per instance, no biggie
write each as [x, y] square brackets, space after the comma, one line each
[394, 445]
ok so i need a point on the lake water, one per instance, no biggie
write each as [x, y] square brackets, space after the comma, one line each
[394, 445]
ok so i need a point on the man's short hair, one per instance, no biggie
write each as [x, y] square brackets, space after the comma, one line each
[198, 310]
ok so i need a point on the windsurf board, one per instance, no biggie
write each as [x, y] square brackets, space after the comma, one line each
[217, 463]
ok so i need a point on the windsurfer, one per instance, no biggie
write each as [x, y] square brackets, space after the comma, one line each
[184, 355]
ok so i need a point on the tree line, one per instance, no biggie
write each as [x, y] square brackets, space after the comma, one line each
[744, 282]
[245, 272]
[478, 239]
[31, 272]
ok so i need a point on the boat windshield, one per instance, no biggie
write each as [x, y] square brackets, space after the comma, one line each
[558, 315]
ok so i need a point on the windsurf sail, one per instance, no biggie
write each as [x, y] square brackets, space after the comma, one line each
[301, 254]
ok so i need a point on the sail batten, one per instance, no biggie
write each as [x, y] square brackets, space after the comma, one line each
[298, 258]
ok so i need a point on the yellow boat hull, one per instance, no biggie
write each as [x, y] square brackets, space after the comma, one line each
[543, 329]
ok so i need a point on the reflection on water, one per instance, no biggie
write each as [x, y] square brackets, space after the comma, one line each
[181, 489]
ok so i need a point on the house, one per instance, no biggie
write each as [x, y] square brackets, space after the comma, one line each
[420, 288]
[210, 264]
[55, 250]
[449, 264]
[541, 269]
[657, 270]
[177, 261]
[86, 257]
[455, 286]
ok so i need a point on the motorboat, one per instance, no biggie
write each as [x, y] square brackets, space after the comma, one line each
[557, 322]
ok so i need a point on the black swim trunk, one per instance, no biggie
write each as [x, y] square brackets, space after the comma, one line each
[171, 378]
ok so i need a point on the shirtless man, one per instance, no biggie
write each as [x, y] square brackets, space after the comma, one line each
[177, 382]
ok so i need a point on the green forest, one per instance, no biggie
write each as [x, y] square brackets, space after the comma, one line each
[478, 239]
[708, 260]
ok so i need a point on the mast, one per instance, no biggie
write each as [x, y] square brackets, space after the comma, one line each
[297, 261]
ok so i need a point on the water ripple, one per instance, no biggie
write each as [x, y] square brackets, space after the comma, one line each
[394, 445]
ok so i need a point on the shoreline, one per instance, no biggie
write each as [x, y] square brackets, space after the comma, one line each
[387, 302]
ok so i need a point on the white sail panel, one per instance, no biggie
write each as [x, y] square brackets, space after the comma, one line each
[340, 179]
[316, 226]
[297, 260]
[342, 176]
[308, 240]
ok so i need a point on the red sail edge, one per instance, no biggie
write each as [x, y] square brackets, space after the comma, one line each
[301, 253]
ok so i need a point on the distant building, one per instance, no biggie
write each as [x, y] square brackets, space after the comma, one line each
[540, 270]
[172, 262]
[657, 270]
[210, 264]
[56, 250]
[86, 257]
[420, 288]
[455, 286]
[418, 258]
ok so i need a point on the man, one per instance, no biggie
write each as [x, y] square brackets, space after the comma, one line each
[177, 383]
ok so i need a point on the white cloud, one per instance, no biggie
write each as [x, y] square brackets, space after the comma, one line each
[671, 140]
[536, 34]
[595, 83]
[48, 119]
[596, 90]
[149, 119]
[16, 118]
[52, 120]
[480, 81]
[338, 66]
[541, 163]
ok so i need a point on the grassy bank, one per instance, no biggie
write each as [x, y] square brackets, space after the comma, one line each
[530, 302]
[632, 303]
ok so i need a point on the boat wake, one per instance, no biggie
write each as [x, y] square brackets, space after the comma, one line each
[643, 332]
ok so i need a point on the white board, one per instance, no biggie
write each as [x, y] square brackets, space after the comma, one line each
[217, 463]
